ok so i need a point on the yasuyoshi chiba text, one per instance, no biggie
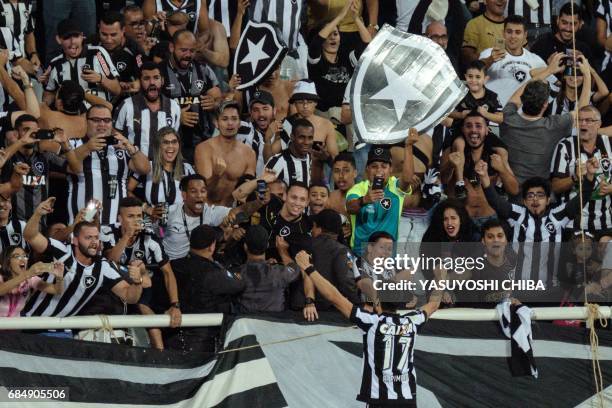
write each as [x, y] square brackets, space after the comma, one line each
[460, 285]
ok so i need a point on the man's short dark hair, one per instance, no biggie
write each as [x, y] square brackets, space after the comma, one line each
[534, 182]
[111, 17]
[24, 118]
[81, 225]
[566, 10]
[515, 19]
[126, 202]
[298, 184]
[176, 36]
[477, 65]
[346, 157]
[318, 184]
[375, 236]
[494, 223]
[160, 50]
[227, 105]
[303, 123]
[184, 184]
[132, 9]
[534, 97]
[474, 114]
[149, 66]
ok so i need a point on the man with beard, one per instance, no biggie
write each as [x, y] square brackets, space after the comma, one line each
[85, 273]
[293, 163]
[568, 24]
[89, 65]
[484, 31]
[262, 111]
[458, 167]
[222, 160]
[126, 54]
[142, 115]
[196, 89]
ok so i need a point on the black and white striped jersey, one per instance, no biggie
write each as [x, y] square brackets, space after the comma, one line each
[19, 20]
[290, 168]
[603, 12]
[597, 213]
[7, 42]
[285, 13]
[145, 248]
[223, 11]
[412, 16]
[136, 121]
[389, 375]
[97, 58]
[189, 7]
[104, 177]
[166, 190]
[541, 15]
[12, 234]
[249, 135]
[81, 282]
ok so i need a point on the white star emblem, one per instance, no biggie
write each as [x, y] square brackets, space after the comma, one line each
[520, 76]
[400, 90]
[256, 53]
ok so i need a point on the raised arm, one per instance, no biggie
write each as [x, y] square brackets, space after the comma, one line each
[31, 232]
[408, 166]
[501, 206]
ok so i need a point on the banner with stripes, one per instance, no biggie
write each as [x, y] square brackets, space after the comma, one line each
[278, 362]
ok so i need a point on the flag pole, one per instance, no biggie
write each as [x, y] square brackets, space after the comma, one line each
[215, 319]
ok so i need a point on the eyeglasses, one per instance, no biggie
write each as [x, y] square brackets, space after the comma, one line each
[20, 257]
[588, 121]
[169, 142]
[97, 121]
[442, 37]
[531, 196]
[138, 23]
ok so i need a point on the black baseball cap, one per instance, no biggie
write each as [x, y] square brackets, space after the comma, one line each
[203, 236]
[67, 27]
[329, 220]
[256, 239]
[263, 97]
[380, 154]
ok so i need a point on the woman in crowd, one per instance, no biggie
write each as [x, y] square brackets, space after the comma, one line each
[161, 184]
[17, 281]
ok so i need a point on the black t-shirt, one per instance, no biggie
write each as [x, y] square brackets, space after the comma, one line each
[295, 232]
[489, 100]
[547, 44]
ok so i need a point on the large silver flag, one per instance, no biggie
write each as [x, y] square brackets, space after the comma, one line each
[401, 81]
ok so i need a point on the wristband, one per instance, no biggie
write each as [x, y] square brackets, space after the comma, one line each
[309, 270]
[309, 301]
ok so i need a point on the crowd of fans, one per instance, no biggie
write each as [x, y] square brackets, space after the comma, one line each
[135, 173]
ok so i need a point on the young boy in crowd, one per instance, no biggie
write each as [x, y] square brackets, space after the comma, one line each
[344, 172]
[319, 196]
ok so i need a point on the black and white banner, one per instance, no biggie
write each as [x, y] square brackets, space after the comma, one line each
[402, 81]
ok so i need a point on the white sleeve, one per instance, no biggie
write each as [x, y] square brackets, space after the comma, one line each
[217, 214]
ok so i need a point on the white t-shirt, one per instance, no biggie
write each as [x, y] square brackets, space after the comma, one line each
[180, 225]
[509, 73]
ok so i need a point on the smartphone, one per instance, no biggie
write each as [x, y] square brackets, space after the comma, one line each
[500, 44]
[241, 218]
[43, 134]
[317, 145]
[377, 184]
[262, 186]
[111, 140]
[155, 29]
[90, 211]
[86, 67]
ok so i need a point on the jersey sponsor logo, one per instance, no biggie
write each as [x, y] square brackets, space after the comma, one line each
[39, 167]
[33, 181]
[396, 330]
[103, 64]
[520, 76]
[187, 100]
[16, 238]
[138, 254]
[121, 66]
[385, 203]
[550, 227]
[285, 231]
[89, 281]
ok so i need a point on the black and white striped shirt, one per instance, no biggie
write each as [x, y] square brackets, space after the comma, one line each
[136, 121]
[389, 375]
[102, 171]
[145, 248]
[597, 213]
[62, 69]
[19, 20]
[166, 190]
[80, 283]
[285, 13]
[7, 42]
[249, 135]
[603, 12]
[290, 168]
[189, 7]
[412, 16]
[223, 11]
[12, 234]
[541, 15]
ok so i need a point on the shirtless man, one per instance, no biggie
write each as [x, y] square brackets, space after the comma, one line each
[344, 173]
[212, 45]
[459, 166]
[222, 160]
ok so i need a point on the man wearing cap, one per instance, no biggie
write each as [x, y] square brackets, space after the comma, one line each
[222, 160]
[332, 259]
[205, 286]
[375, 204]
[265, 283]
[89, 65]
